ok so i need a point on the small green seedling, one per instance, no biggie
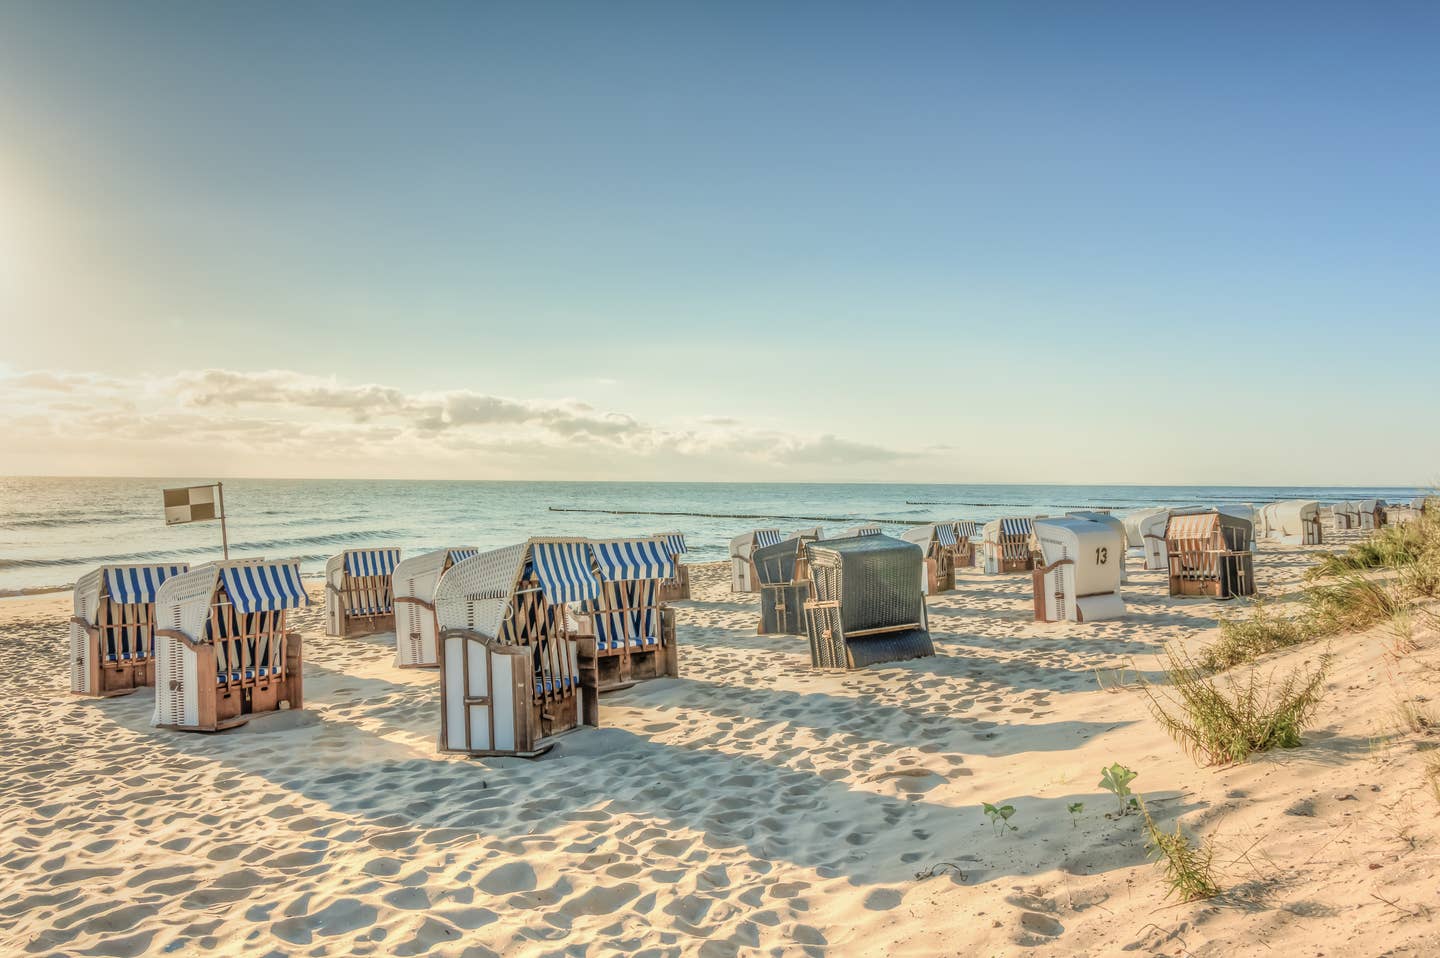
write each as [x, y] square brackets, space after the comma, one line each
[1116, 779]
[1000, 817]
[1075, 808]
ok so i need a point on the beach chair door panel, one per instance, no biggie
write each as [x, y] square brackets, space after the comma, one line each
[177, 685]
[482, 694]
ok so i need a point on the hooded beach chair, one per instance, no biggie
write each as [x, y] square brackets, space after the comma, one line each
[359, 599]
[222, 649]
[413, 581]
[865, 604]
[1079, 579]
[865, 529]
[634, 634]
[1145, 537]
[1292, 522]
[1007, 546]
[1346, 515]
[937, 540]
[112, 629]
[1115, 523]
[677, 586]
[742, 550]
[782, 573]
[966, 532]
[511, 675]
[1371, 513]
[1209, 553]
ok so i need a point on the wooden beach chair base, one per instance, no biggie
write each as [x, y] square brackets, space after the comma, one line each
[678, 588]
[93, 675]
[229, 705]
[359, 626]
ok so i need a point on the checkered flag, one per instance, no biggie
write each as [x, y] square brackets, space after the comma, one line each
[190, 504]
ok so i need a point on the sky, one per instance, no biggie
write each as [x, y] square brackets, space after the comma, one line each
[964, 242]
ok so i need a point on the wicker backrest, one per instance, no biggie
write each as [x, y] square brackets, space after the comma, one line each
[776, 565]
[876, 580]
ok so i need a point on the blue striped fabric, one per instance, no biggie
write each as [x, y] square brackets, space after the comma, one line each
[946, 535]
[635, 620]
[371, 561]
[767, 537]
[138, 584]
[460, 555]
[965, 529]
[627, 559]
[1015, 527]
[264, 586]
[563, 569]
[674, 542]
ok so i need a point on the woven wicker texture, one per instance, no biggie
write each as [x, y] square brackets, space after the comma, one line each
[876, 582]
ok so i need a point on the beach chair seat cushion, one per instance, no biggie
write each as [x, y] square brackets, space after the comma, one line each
[543, 686]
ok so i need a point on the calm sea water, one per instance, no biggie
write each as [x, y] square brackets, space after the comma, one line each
[54, 530]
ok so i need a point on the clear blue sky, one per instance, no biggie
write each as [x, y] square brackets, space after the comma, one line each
[992, 239]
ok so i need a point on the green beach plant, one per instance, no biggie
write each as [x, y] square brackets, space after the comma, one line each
[1243, 640]
[1221, 723]
[999, 816]
[1189, 870]
[1116, 780]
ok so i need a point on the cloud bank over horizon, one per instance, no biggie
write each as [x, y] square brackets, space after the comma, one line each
[281, 422]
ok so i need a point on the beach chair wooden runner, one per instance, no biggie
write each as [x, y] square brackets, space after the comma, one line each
[676, 587]
[782, 571]
[512, 676]
[112, 629]
[222, 649]
[359, 599]
[1210, 555]
[938, 542]
[865, 603]
[634, 634]
[417, 635]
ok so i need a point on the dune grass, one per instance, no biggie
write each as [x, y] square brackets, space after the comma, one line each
[1349, 592]
[1243, 640]
[1221, 721]
[1189, 868]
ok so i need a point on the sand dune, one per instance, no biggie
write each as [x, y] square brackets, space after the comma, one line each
[753, 806]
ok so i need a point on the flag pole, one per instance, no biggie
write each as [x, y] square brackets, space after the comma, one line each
[224, 536]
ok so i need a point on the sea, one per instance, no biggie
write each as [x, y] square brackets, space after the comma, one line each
[53, 530]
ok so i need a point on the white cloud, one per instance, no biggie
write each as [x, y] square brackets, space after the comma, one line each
[285, 422]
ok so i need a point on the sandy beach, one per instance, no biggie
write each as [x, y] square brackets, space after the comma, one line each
[753, 806]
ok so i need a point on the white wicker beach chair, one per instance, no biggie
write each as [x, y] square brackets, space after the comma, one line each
[359, 599]
[222, 649]
[1079, 580]
[112, 629]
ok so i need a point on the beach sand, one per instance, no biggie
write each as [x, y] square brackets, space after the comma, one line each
[753, 806]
